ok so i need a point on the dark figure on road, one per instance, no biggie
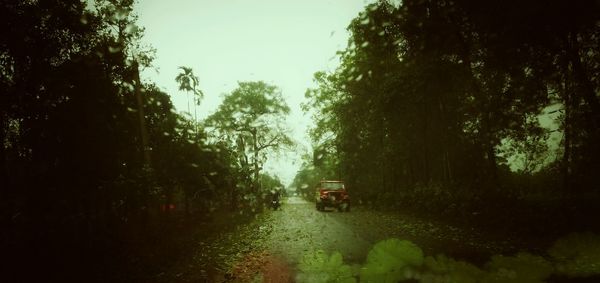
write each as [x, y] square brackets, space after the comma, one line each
[275, 195]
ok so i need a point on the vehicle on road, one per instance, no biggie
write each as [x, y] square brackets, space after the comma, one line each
[275, 199]
[332, 194]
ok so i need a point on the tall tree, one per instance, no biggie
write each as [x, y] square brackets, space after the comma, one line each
[252, 119]
[188, 82]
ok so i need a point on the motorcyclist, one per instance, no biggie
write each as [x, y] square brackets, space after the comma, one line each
[275, 196]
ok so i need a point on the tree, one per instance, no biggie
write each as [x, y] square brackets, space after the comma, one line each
[72, 170]
[188, 82]
[250, 119]
[428, 89]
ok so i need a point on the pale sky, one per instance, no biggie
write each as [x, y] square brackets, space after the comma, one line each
[281, 42]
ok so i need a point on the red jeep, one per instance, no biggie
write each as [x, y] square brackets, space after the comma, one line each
[332, 194]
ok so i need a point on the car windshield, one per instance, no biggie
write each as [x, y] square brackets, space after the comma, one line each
[151, 138]
[332, 186]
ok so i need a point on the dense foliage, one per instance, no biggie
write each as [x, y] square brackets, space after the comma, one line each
[395, 260]
[440, 104]
[96, 168]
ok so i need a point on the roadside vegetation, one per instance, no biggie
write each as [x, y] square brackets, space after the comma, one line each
[477, 113]
[99, 174]
[394, 260]
[469, 113]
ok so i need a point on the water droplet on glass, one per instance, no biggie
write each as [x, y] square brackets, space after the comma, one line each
[128, 86]
[121, 14]
[113, 49]
[131, 28]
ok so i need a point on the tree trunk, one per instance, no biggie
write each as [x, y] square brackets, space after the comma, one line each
[3, 161]
[187, 94]
[584, 83]
[426, 173]
[195, 114]
[256, 185]
[147, 168]
[568, 102]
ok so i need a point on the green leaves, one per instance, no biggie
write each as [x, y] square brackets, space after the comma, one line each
[250, 120]
[187, 80]
[318, 266]
[448, 270]
[523, 267]
[577, 255]
[391, 260]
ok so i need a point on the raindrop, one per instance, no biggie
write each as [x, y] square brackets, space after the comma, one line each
[359, 78]
[120, 14]
[128, 86]
[131, 109]
[131, 28]
[365, 44]
[113, 49]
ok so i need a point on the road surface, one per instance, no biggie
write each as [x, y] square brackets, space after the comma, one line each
[280, 238]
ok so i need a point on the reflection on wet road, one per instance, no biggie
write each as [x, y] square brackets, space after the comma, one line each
[277, 240]
[298, 228]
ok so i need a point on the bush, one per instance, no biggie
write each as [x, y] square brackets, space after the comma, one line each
[523, 267]
[392, 260]
[318, 266]
[442, 269]
[577, 255]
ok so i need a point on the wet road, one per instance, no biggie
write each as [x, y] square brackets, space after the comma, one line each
[298, 228]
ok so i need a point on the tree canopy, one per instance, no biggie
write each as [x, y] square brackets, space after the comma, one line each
[448, 93]
[251, 118]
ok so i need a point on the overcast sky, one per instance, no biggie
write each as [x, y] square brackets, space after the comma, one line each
[281, 42]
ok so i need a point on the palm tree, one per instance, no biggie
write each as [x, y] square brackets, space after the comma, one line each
[188, 82]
